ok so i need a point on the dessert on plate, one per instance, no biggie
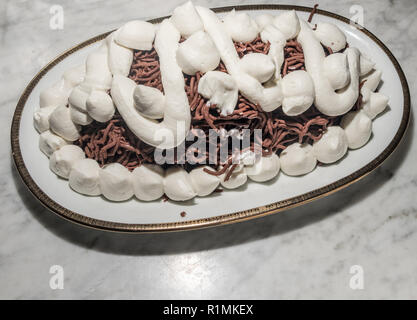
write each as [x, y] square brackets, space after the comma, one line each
[199, 103]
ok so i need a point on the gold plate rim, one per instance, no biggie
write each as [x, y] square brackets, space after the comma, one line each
[223, 219]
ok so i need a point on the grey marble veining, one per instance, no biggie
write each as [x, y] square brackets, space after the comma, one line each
[302, 253]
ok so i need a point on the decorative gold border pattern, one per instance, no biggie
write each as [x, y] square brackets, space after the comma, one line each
[225, 218]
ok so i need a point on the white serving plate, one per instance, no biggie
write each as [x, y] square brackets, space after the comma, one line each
[249, 201]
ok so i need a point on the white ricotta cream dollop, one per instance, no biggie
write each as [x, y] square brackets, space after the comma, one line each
[221, 90]
[61, 123]
[186, 19]
[298, 159]
[178, 185]
[372, 79]
[49, 142]
[116, 182]
[203, 183]
[366, 64]
[63, 159]
[248, 158]
[78, 98]
[84, 177]
[41, 118]
[258, 65]
[276, 50]
[336, 69]
[332, 146]
[358, 128]
[120, 58]
[264, 169]
[148, 182]
[264, 20]
[136, 34]
[288, 23]
[97, 74]
[100, 106]
[331, 36]
[298, 92]
[272, 34]
[373, 103]
[240, 26]
[77, 106]
[198, 53]
[79, 117]
[149, 102]
[74, 76]
[55, 96]
[238, 178]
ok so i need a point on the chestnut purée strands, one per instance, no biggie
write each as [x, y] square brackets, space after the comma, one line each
[293, 57]
[145, 69]
[255, 46]
[114, 142]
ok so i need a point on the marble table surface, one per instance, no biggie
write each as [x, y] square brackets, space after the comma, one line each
[308, 252]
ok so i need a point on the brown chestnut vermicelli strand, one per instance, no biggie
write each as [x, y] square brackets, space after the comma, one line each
[312, 13]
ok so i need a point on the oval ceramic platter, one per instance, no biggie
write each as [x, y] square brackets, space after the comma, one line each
[250, 201]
